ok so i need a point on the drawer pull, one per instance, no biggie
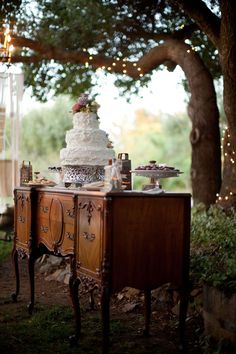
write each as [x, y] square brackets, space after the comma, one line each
[71, 212]
[44, 209]
[88, 236]
[70, 236]
[21, 219]
[44, 229]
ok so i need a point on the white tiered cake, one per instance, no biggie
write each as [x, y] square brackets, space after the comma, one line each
[88, 148]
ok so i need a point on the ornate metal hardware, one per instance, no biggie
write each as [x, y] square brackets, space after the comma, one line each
[44, 229]
[88, 236]
[22, 198]
[22, 253]
[21, 219]
[98, 271]
[89, 206]
[71, 212]
[44, 209]
[70, 236]
[89, 210]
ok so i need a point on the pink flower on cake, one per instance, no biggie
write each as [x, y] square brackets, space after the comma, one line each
[76, 107]
[83, 104]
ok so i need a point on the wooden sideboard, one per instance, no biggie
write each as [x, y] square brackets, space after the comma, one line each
[115, 240]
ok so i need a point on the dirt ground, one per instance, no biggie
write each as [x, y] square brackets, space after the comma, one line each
[125, 307]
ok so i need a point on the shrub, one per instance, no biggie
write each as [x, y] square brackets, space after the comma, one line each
[213, 248]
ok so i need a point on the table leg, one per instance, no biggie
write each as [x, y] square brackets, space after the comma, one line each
[16, 267]
[74, 287]
[184, 299]
[147, 311]
[105, 307]
[31, 261]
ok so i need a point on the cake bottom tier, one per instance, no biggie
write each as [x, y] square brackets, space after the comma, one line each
[83, 174]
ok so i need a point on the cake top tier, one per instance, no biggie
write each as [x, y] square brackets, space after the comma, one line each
[85, 121]
[85, 104]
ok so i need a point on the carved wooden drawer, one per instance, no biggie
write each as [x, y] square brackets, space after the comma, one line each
[23, 227]
[89, 236]
[55, 222]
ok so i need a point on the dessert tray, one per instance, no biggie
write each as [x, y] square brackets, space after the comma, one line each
[155, 172]
[40, 182]
[35, 184]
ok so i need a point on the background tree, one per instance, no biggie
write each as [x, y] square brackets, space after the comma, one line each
[43, 134]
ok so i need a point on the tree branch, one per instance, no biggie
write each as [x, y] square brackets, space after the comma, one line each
[207, 21]
[183, 33]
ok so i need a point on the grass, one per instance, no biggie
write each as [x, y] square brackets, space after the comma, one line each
[49, 329]
[5, 247]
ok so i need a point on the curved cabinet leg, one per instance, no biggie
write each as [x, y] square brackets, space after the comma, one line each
[16, 267]
[105, 307]
[31, 261]
[74, 287]
[147, 313]
[184, 299]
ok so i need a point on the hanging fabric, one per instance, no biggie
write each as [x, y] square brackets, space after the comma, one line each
[11, 95]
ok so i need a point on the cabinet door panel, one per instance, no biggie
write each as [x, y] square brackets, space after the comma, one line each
[150, 241]
[90, 229]
[23, 232]
[67, 246]
[55, 222]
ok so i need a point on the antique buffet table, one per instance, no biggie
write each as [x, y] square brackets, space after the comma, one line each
[114, 239]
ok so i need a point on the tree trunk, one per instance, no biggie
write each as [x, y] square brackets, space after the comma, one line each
[204, 114]
[227, 50]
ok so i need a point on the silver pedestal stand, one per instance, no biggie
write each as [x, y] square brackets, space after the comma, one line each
[155, 176]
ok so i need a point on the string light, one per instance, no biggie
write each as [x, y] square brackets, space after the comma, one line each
[6, 47]
[227, 154]
[123, 62]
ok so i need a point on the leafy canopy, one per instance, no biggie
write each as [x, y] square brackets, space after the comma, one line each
[110, 29]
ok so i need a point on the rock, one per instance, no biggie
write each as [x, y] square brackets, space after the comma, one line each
[55, 261]
[67, 278]
[131, 292]
[56, 275]
[120, 296]
[130, 307]
[175, 310]
[45, 268]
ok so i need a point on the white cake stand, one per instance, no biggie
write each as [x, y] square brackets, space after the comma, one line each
[155, 176]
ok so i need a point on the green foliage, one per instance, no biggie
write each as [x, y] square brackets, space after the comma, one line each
[163, 139]
[213, 247]
[8, 9]
[114, 29]
[5, 247]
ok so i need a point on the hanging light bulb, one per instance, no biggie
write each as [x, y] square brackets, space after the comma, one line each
[6, 47]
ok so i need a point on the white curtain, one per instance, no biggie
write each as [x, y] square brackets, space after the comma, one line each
[11, 95]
